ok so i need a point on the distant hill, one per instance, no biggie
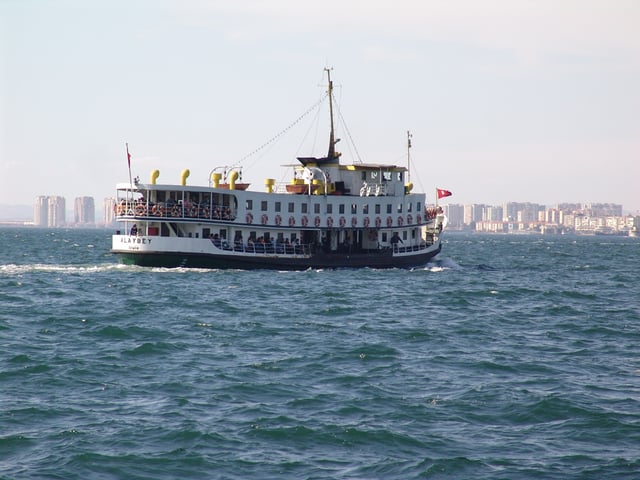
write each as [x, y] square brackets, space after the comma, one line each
[16, 212]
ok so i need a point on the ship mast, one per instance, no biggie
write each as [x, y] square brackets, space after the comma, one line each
[409, 156]
[332, 139]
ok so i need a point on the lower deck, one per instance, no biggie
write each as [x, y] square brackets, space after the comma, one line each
[169, 244]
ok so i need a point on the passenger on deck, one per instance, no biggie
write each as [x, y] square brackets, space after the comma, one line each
[395, 239]
[134, 230]
[239, 245]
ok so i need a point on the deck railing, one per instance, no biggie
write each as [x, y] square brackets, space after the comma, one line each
[174, 210]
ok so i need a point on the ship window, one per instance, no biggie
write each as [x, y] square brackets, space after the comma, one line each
[417, 206]
[409, 207]
[249, 205]
[413, 233]
[316, 208]
[364, 175]
[329, 208]
[399, 176]
[263, 205]
[291, 207]
[378, 209]
[354, 208]
[374, 175]
[304, 208]
[399, 208]
[341, 209]
[278, 207]
[404, 235]
[365, 208]
[384, 237]
[386, 176]
[389, 208]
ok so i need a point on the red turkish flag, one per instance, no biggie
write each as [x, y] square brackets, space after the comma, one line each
[443, 193]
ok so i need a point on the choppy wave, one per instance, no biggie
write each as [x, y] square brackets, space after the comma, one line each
[503, 358]
[21, 269]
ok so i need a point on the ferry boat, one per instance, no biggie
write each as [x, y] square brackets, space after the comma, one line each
[329, 215]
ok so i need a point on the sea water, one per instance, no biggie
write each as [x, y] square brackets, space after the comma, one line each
[507, 357]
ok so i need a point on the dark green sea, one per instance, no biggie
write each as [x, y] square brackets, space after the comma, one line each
[508, 357]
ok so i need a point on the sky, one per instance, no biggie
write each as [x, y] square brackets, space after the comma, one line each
[506, 100]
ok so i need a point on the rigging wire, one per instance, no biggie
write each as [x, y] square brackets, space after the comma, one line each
[282, 132]
[315, 123]
[346, 129]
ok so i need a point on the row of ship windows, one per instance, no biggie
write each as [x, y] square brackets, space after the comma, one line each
[400, 207]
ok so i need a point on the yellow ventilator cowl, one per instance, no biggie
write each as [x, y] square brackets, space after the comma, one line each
[183, 176]
[215, 178]
[320, 186]
[409, 187]
[233, 176]
[269, 183]
[154, 176]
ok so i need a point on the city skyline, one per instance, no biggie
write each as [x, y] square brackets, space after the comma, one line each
[506, 100]
[84, 210]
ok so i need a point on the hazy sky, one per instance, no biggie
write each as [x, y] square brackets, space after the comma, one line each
[507, 100]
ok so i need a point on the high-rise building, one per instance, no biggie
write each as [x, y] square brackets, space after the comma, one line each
[108, 208]
[455, 215]
[56, 216]
[41, 211]
[84, 211]
[473, 213]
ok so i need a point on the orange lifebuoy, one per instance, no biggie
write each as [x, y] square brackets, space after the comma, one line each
[409, 219]
[292, 221]
[249, 218]
[365, 222]
[139, 209]
[389, 221]
[400, 221]
[329, 222]
[305, 221]
[155, 210]
[278, 219]
[354, 221]
[378, 222]
[418, 219]
[316, 221]
[343, 221]
[264, 219]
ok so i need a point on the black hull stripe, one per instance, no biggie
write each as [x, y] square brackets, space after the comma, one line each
[175, 260]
